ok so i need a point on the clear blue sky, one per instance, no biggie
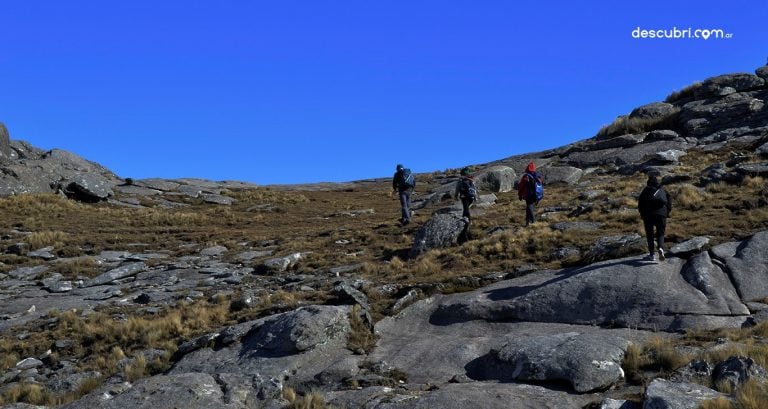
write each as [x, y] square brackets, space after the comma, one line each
[305, 91]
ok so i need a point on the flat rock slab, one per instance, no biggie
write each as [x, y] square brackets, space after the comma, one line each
[663, 394]
[626, 292]
[474, 395]
[126, 270]
[586, 361]
[565, 226]
[689, 247]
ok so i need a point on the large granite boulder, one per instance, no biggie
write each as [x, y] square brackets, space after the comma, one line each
[496, 179]
[713, 87]
[560, 174]
[88, 187]
[441, 231]
[586, 361]
[653, 110]
[747, 263]
[762, 72]
[629, 292]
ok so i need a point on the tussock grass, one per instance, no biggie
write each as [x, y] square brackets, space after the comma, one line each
[687, 196]
[684, 94]
[38, 240]
[625, 125]
[312, 400]
[81, 266]
[31, 393]
[658, 354]
[361, 338]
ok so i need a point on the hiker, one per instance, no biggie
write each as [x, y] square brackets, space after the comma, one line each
[655, 206]
[531, 190]
[466, 191]
[403, 183]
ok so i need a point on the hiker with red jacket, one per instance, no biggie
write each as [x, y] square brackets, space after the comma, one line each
[531, 190]
[654, 205]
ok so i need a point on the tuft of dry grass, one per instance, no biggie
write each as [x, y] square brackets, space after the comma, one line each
[24, 392]
[683, 94]
[625, 125]
[311, 400]
[38, 240]
[361, 338]
[80, 266]
[687, 196]
[720, 402]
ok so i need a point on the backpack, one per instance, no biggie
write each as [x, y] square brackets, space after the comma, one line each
[658, 199]
[468, 189]
[406, 179]
[535, 187]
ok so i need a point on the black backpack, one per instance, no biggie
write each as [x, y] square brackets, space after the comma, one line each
[468, 189]
[658, 199]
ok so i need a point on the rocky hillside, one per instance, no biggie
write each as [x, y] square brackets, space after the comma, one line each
[122, 293]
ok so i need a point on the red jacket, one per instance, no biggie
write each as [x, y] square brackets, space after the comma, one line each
[522, 187]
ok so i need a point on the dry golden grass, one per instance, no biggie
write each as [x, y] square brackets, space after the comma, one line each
[687, 197]
[312, 400]
[717, 403]
[31, 393]
[78, 267]
[38, 240]
[361, 338]
[684, 93]
[625, 125]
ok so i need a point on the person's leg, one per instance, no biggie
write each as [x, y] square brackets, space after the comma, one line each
[529, 212]
[661, 227]
[648, 224]
[465, 202]
[405, 199]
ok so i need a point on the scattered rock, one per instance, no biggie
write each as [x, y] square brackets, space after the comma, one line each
[565, 226]
[280, 264]
[617, 404]
[441, 231]
[126, 270]
[653, 110]
[215, 251]
[88, 187]
[44, 253]
[561, 174]
[218, 199]
[28, 363]
[28, 273]
[670, 156]
[737, 370]
[254, 254]
[614, 247]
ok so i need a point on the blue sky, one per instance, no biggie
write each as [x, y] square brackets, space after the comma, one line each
[306, 91]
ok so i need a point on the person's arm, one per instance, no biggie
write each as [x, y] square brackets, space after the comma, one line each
[522, 187]
[669, 203]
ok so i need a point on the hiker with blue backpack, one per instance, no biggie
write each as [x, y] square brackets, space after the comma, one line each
[404, 183]
[530, 189]
[654, 205]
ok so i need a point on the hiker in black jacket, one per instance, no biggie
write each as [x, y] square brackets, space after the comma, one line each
[654, 205]
[403, 183]
[466, 191]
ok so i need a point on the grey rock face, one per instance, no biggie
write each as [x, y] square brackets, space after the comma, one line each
[762, 72]
[762, 150]
[662, 394]
[747, 262]
[28, 363]
[347, 293]
[441, 231]
[586, 361]
[738, 82]
[753, 169]
[660, 298]
[253, 254]
[661, 135]
[614, 246]
[496, 179]
[560, 174]
[706, 116]
[218, 199]
[188, 390]
[619, 142]
[653, 110]
[28, 273]
[708, 278]
[617, 404]
[89, 187]
[126, 270]
[690, 247]
[5, 143]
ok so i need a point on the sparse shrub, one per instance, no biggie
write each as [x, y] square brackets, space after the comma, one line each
[312, 400]
[81, 266]
[720, 402]
[31, 393]
[752, 395]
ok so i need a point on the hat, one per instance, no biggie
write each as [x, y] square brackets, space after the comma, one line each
[464, 171]
[400, 166]
[531, 167]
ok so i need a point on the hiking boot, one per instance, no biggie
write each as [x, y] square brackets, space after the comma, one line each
[662, 257]
[650, 257]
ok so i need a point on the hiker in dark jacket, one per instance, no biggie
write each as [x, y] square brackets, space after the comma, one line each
[403, 183]
[526, 191]
[466, 191]
[654, 205]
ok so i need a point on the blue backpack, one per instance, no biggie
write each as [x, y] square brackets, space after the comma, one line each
[535, 187]
[407, 179]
